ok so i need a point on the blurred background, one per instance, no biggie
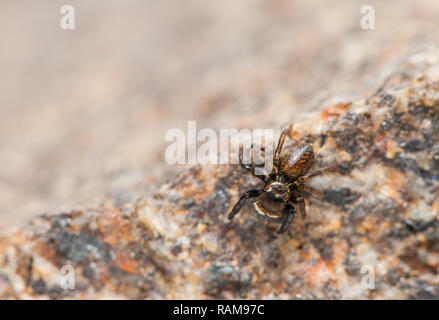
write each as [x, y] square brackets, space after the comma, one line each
[83, 112]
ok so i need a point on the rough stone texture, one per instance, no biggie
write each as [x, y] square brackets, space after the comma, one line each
[379, 208]
[83, 113]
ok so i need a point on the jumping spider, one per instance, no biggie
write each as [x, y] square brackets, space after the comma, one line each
[285, 185]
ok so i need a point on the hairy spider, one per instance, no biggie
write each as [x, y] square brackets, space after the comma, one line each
[285, 185]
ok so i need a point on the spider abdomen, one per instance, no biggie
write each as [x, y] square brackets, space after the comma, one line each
[262, 209]
[298, 161]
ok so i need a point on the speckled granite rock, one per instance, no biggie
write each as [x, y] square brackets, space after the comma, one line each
[380, 210]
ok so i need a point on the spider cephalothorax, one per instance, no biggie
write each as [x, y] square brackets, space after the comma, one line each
[285, 184]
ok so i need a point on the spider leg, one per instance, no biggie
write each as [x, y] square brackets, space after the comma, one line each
[318, 172]
[290, 214]
[302, 209]
[313, 191]
[261, 147]
[247, 195]
[280, 145]
[247, 167]
[250, 168]
[288, 131]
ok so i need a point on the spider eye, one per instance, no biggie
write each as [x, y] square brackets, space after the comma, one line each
[277, 190]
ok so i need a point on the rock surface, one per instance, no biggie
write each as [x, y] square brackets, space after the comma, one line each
[83, 114]
[378, 217]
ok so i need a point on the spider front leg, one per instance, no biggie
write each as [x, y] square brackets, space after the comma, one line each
[280, 145]
[290, 214]
[250, 168]
[288, 131]
[300, 201]
[247, 195]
